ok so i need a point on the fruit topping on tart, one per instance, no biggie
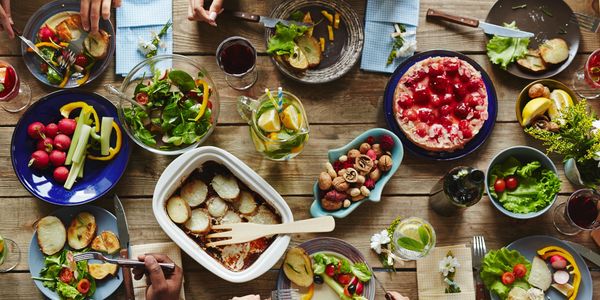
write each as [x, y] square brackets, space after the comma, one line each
[441, 103]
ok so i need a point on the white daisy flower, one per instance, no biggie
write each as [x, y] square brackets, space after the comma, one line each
[144, 46]
[379, 239]
[448, 265]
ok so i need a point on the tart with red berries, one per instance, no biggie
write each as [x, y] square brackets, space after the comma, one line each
[441, 103]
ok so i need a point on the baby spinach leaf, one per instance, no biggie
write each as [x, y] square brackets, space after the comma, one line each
[182, 80]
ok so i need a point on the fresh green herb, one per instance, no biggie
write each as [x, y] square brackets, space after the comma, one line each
[182, 80]
[361, 271]
[53, 76]
[282, 43]
[423, 235]
[505, 50]
[398, 43]
[157, 37]
[297, 16]
[410, 244]
[49, 275]
[519, 6]
[495, 263]
[546, 11]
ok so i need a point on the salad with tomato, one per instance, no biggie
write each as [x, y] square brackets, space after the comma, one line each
[69, 279]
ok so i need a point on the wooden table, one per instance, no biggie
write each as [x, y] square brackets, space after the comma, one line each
[405, 195]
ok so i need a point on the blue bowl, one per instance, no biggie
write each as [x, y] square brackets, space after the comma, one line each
[99, 177]
[472, 145]
[375, 196]
[525, 155]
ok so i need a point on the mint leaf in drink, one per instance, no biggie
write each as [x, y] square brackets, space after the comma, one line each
[410, 244]
[423, 235]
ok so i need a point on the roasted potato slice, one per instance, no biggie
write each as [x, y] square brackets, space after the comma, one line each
[263, 216]
[297, 267]
[178, 209]
[194, 192]
[230, 217]
[100, 271]
[226, 187]
[311, 48]
[217, 207]
[107, 242]
[554, 51]
[97, 44]
[82, 230]
[199, 222]
[532, 62]
[246, 203]
[51, 235]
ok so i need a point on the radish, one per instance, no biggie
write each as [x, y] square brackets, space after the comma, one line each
[67, 126]
[39, 160]
[359, 288]
[57, 158]
[45, 144]
[51, 130]
[62, 142]
[60, 174]
[558, 262]
[561, 277]
[36, 130]
[45, 34]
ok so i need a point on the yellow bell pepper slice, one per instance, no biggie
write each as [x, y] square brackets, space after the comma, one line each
[327, 15]
[322, 44]
[65, 79]
[112, 151]
[336, 21]
[204, 100]
[547, 252]
[48, 44]
[66, 110]
[330, 32]
[83, 79]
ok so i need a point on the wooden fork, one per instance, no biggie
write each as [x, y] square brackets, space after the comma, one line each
[245, 232]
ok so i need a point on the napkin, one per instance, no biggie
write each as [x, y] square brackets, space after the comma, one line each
[139, 18]
[430, 281]
[380, 17]
[170, 249]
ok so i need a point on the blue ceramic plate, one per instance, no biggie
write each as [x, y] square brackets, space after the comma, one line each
[105, 221]
[375, 196]
[99, 176]
[528, 246]
[330, 246]
[472, 145]
[39, 18]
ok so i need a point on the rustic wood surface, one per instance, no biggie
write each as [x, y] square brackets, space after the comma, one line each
[405, 194]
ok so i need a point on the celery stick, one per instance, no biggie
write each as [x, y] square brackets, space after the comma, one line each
[80, 174]
[94, 135]
[72, 175]
[80, 122]
[80, 150]
[105, 132]
[336, 287]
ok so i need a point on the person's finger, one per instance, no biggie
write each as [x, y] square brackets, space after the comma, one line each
[106, 9]
[84, 12]
[6, 23]
[116, 3]
[216, 7]
[138, 273]
[200, 13]
[95, 15]
[191, 10]
[160, 257]
[155, 273]
[6, 6]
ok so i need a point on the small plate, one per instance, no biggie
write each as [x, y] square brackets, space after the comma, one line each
[528, 247]
[99, 177]
[336, 247]
[340, 56]
[105, 221]
[533, 19]
[38, 19]
[472, 145]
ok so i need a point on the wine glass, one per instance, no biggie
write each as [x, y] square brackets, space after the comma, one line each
[586, 81]
[237, 58]
[15, 95]
[10, 254]
[581, 212]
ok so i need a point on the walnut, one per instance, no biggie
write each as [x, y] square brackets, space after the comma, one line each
[341, 172]
[365, 191]
[354, 192]
[360, 180]
[331, 205]
[377, 149]
[350, 175]
[358, 198]
[330, 170]
[363, 163]
[375, 174]
[364, 147]
[340, 184]
[353, 154]
[385, 163]
[324, 181]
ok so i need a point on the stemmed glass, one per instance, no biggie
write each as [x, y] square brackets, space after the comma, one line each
[10, 254]
[586, 81]
[15, 95]
[581, 212]
[237, 58]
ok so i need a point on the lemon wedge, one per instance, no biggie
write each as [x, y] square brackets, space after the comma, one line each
[534, 108]
[291, 118]
[298, 59]
[269, 121]
[560, 100]
[411, 231]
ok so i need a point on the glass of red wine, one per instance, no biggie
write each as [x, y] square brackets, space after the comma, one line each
[15, 95]
[237, 58]
[581, 212]
[586, 81]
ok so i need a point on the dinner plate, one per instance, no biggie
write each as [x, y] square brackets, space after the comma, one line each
[534, 18]
[39, 18]
[340, 55]
[105, 221]
[528, 247]
[472, 145]
[99, 176]
[336, 247]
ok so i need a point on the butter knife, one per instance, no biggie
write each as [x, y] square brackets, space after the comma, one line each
[487, 27]
[586, 252]
[266, 21]
[35, 49]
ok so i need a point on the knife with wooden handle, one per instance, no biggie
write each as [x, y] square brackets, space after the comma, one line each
[124, 241]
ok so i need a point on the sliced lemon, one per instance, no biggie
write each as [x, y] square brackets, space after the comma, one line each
[534, 108]
[291, 118]
[269, 121]
[411, 231]
[560, 100]
[298, 59]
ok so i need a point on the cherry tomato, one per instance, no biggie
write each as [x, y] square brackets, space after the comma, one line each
[344, 279]
[519, 270]
[499, 185]
[330, 270]
[511, 183]
[65, 275]
[83, 286]
[81, 60]
[508, 278]
[141, 98]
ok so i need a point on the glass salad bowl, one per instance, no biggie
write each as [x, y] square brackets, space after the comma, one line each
[168, 104]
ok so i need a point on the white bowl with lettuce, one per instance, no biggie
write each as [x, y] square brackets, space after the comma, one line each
[531, 183]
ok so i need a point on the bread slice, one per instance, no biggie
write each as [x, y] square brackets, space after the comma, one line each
[199, 222]
[97, 44]
[82, 230]
[194, 192]
[554, 51]
[226, 187]
[101, 271]
[107, 242]
[297, 267]
[532, 62]
[245, 204]
[51, 235]
[178, 209]
[540, 276]
[311, 48]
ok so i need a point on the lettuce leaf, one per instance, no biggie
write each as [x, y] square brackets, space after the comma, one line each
[361, 271]
[282, 42]
[505, 50]
[495, 263]
[66, 290]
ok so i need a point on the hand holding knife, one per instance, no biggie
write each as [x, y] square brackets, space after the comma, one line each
[35, 49]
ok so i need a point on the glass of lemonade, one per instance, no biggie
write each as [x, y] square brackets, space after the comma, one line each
[278, 125]
[9, 254]
[413, 238]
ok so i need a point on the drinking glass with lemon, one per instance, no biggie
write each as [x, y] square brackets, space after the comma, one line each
[413, 238]
[278, 124]
[9, 254]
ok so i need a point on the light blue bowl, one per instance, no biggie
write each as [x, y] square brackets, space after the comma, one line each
[375, 196]
[524, 154]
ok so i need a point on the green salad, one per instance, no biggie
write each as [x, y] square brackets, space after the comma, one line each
[69, 279]
[496, 267]
[504, 50]
[345, 278]
[523, 188]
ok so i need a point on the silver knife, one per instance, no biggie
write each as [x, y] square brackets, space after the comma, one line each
[35, 50]
[586, 252]
[266, 21]
[124, 241]
[487, 27]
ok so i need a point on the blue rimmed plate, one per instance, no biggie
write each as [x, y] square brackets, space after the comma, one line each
[99, 176]
[335, 247]
[472, 145]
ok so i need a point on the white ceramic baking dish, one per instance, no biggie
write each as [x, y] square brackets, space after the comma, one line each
[176, 173]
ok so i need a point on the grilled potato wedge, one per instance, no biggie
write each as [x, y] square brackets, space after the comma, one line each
[178, 209]
[226, 187]
[194, 192]
[199, 222]
[311, 48]
[554, 51]
[82, 230]
[51, 235]
[297, 267]
[107, 242]
[97, 44]
[101, 271]
[532, 62]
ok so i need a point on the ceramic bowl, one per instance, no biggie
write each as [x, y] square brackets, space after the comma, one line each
[177, 172]
[375, 196]
[552, 84]
[524, 154]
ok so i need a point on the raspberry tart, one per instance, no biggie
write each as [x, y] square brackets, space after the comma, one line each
[441, 103]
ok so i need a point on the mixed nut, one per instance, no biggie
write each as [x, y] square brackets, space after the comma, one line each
[352, 176]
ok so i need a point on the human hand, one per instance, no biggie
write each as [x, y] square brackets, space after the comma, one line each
[6, 19]
[247, 297]
[160, 285]
[91, 10]
[196, 11]
[397, 296]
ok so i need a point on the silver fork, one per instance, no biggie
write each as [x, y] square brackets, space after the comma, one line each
[285, 294]
[478, 250]
[128, 263]
[66, 60]
[587, 22]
